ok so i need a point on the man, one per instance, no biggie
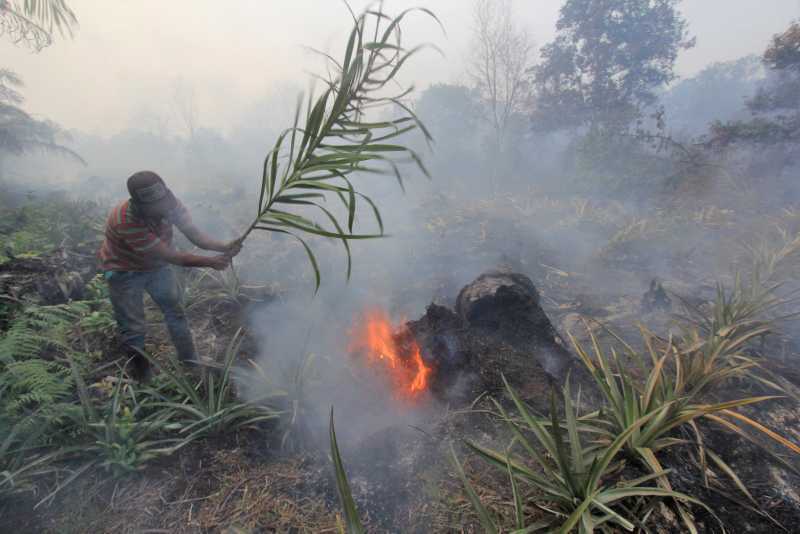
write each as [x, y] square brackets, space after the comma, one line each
[137, 256]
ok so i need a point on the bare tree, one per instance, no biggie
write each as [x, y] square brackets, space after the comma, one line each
[501, 56]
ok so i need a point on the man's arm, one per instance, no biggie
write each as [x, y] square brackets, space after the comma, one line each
[202, 240]
[185, 259]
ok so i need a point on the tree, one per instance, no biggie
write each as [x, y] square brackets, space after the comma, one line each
[32, 23]
[607, 61]
[19, 132]
[776, 105]
[717, 92]
[501, 57]
[452, 115]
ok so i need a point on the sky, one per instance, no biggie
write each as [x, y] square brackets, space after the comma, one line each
[132, 61]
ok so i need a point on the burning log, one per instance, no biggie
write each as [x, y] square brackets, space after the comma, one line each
[497, 328]
[392, 350]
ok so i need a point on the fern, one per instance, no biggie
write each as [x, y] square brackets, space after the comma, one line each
[33, 375]
[38, 327]
[33, 384]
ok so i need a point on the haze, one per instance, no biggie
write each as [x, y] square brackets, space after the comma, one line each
[128, 60]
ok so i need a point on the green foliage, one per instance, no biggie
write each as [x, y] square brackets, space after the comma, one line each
[337, 141]
[605, 161]
[590, 75]
[214, 288]
[776, 105]
[668, 403]
[98, 320]
[715, 347]
[20, 462]
[34, 354]
[125, 430]
[38, 227]
[574, 475]
[208, 405]
[31, 381]
[717, 91]
[35, 384]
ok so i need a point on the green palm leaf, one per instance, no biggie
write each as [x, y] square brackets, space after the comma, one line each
[319, 159]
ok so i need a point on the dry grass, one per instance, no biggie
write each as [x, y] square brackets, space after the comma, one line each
[216, 491]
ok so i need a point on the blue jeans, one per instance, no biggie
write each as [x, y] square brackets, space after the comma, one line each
[127, 289]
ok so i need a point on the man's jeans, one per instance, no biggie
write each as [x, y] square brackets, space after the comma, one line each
[127, 293]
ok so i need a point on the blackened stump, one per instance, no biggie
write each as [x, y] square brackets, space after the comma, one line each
[506, 304]
[498, 329]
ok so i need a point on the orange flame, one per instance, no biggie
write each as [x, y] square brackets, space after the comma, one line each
[377, 339]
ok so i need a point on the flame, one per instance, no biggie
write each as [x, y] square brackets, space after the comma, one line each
[376, 338]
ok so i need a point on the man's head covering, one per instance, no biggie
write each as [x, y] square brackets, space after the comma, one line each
[150, 194]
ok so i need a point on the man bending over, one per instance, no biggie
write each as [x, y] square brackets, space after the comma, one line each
[137, 256]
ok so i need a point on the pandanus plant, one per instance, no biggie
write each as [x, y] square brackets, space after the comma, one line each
[317, 161]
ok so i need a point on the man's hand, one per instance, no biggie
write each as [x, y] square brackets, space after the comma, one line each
[233, 248]
[220, 263]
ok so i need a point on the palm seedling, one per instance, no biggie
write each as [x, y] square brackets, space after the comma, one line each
[127, 431]
[123, 437]
[668, 403]
[317, 160]
[714, 348]
[208, 404]
[574, 476]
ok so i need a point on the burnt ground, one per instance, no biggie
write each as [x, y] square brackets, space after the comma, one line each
[401, 476]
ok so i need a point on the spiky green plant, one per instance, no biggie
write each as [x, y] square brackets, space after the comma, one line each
[668, 403]
[126, 432]
[714, 348]
[316, 161]
[207, 405]
[574, 476]
[352, 522]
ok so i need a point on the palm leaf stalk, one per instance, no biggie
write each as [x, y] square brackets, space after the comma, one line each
[313, 162]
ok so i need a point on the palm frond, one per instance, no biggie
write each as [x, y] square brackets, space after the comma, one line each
[318, 160]
[32, 23]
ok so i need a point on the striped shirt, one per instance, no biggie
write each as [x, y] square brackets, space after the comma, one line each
[130, 239]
